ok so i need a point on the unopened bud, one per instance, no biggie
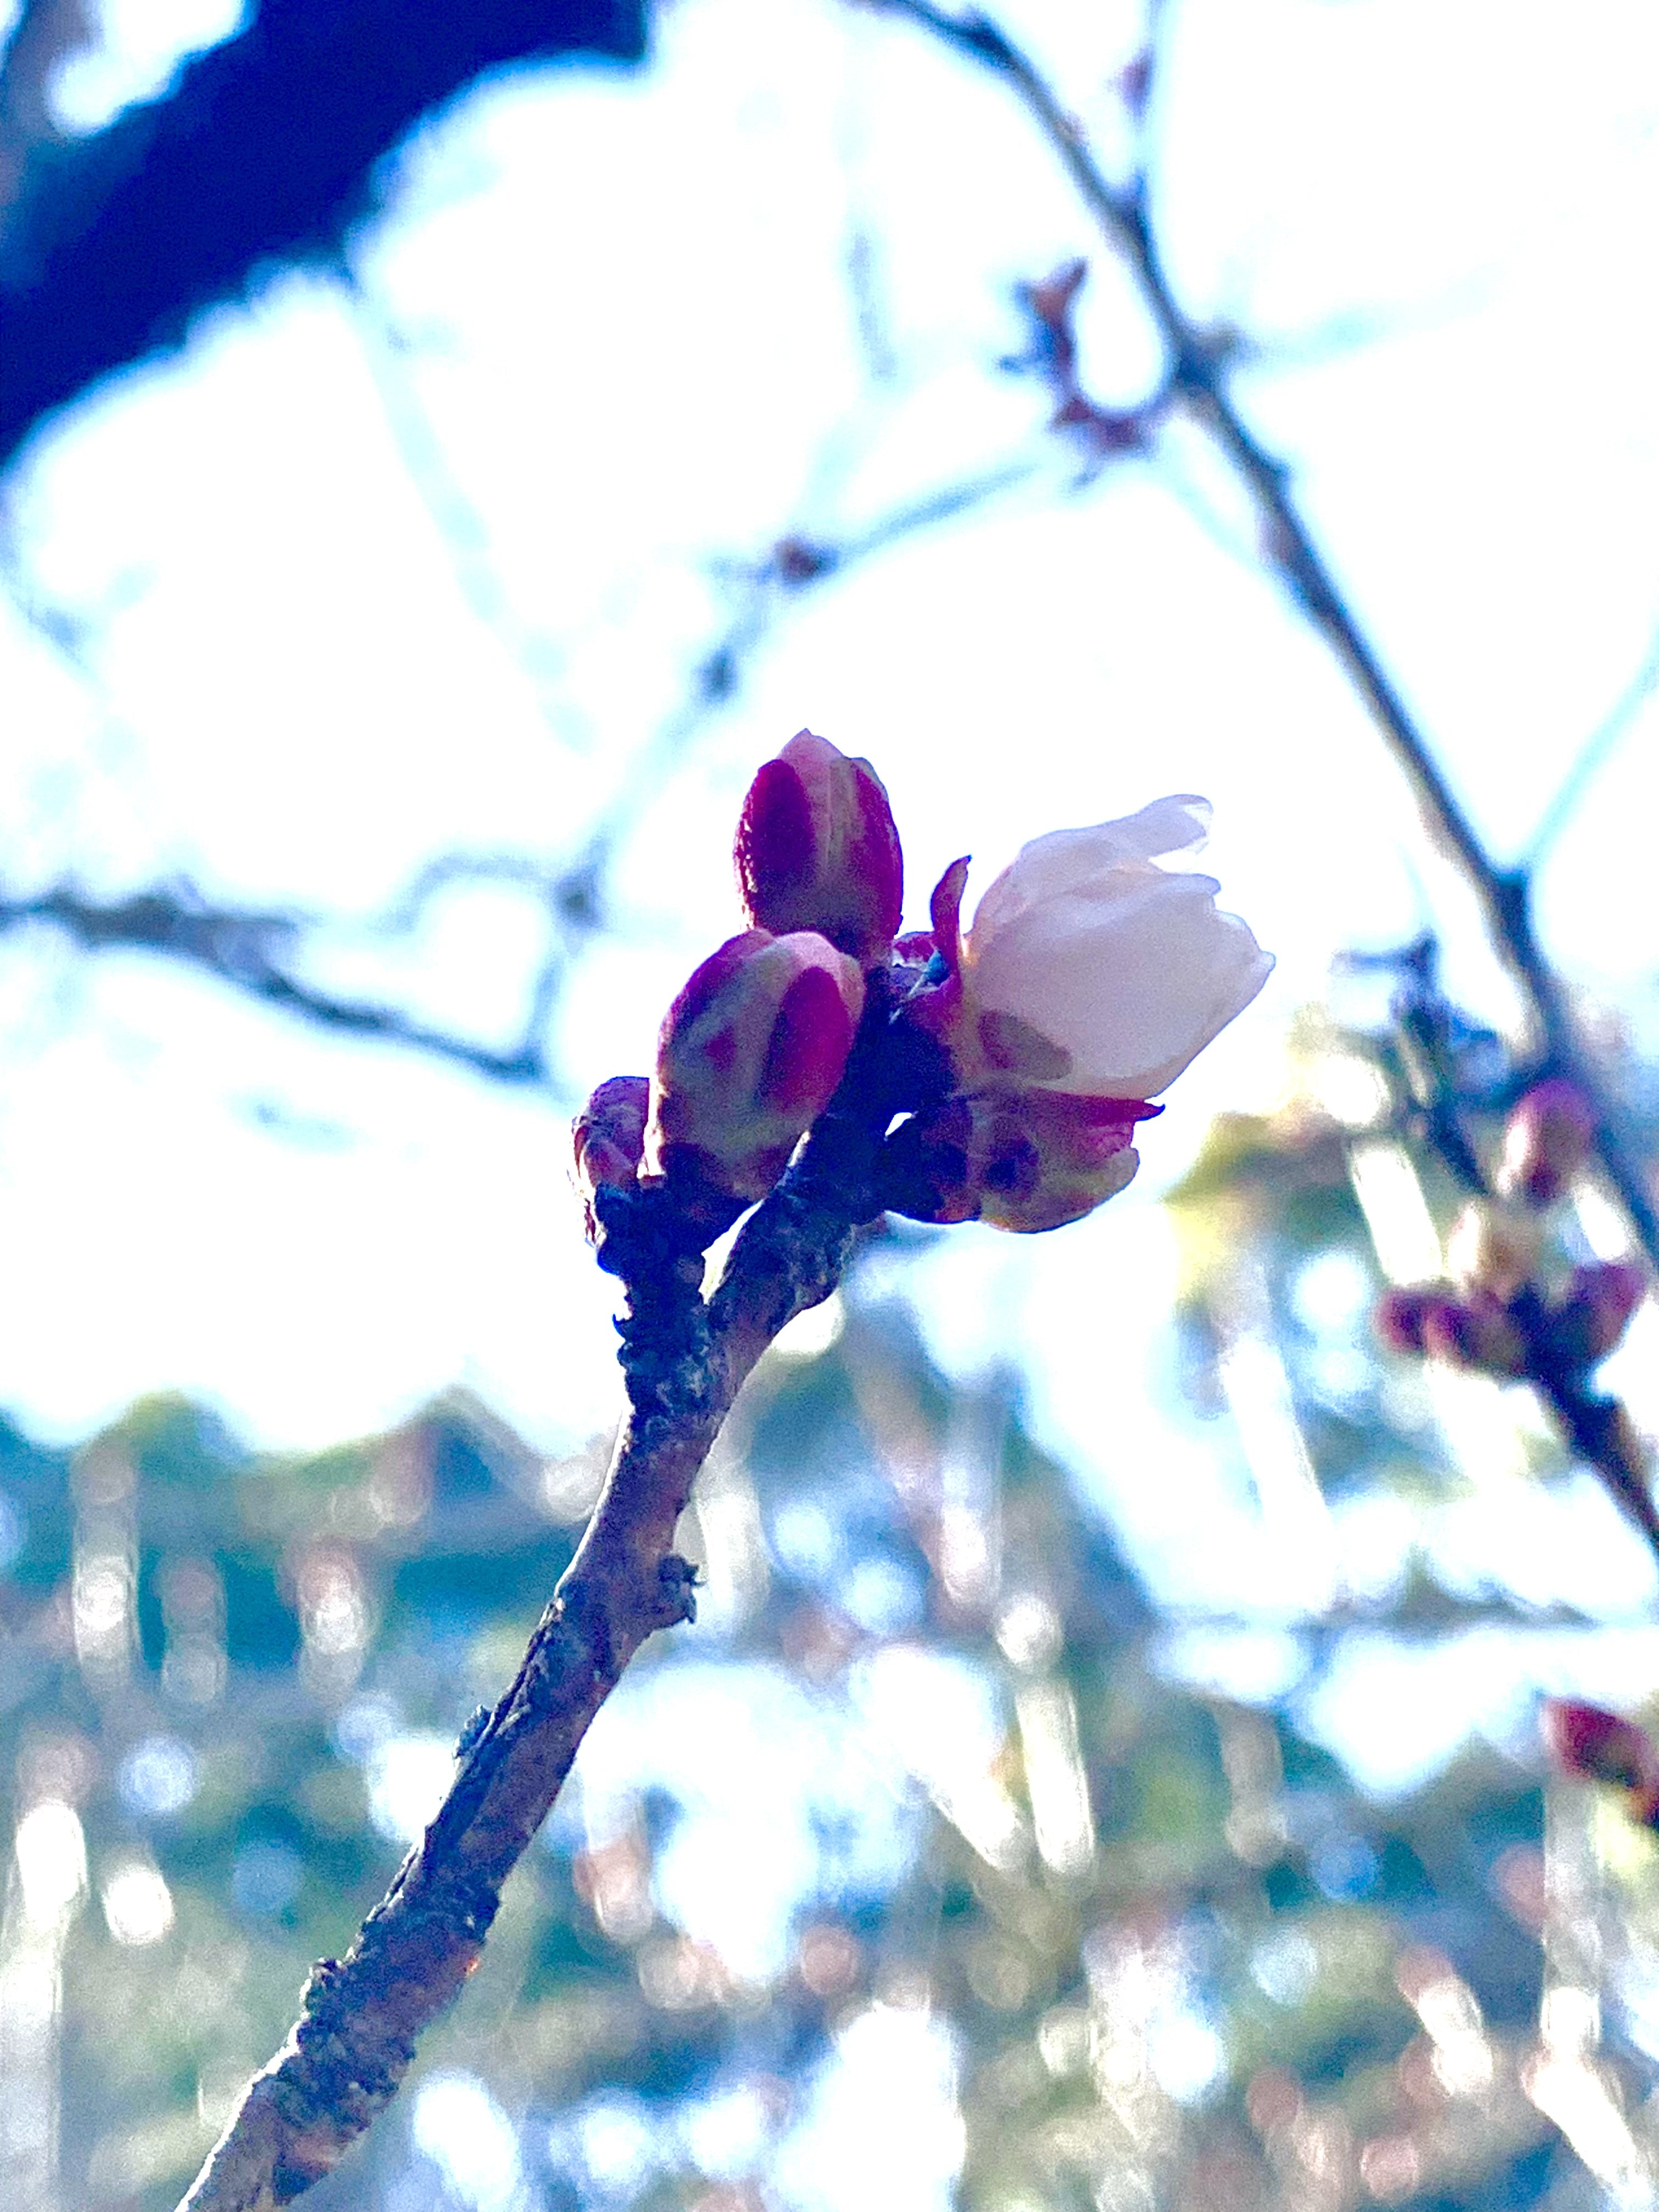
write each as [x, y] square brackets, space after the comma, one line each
[750, 1055]
[1020, 1160]
[1476, 1333]
[608, 1139]
[1596, 1746]
[1403, 1316]
[1546, 1140]
[817, 849]
[1592, 1318]
[1494, 1249]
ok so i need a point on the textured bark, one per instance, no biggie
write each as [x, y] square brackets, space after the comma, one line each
[683, 1360]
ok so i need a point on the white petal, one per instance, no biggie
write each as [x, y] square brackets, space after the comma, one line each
[1067, 859]
[1133, 985]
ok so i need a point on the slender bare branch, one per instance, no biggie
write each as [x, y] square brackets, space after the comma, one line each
[1199, 365]
[252, 953]
[683, 1360]
[256, 952]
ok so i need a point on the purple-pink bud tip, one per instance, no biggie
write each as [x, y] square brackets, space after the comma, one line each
[1547, 1141]
[818, 850]
[1596, 1746]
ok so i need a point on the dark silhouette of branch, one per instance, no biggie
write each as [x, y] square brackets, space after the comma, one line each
[1199, 365]
[266, 151]
[683, 1361]
[252, 953]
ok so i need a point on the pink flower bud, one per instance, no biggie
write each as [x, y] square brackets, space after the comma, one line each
[1546, 1140]
[1019, 1160]
[608, 1139]
[1596, 1746]
[1592, 1318]
[1402, 1315]
[1475, 1333]
[750, 1055]
[816, 850]
[1090, 969]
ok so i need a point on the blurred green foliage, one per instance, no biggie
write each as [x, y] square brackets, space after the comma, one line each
[1028, 1916]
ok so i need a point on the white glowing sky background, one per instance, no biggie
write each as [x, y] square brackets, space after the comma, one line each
[624, 340]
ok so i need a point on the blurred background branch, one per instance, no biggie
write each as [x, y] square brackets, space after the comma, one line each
[1199, 361]
[254, 953]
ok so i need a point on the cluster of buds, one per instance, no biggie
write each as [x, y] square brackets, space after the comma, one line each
[1592, 1745]
[1496, 1315]
[1015, 1059]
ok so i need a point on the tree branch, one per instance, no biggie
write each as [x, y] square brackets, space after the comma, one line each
[684, 1360]
[246, 950]
[1200, 361]
[1513, 1328]
[268, 150]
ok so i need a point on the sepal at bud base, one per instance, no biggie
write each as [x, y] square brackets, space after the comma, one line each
[1547, 1141]
[750, 1055]
[1024, 1161]
[1591, 1319]
[1402, 1315]
[1593, 1745]
[1475, 1332]
[608, 1142]
[817, 849]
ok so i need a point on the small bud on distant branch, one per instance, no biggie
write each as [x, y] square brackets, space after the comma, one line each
[1050, 304]
[1477, 1333]
[1591, 1319]
[1547, 1142]
[1593, 1745]
[1403, 1316]
[1134, 84]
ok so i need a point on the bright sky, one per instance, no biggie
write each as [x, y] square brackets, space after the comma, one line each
[605, 331]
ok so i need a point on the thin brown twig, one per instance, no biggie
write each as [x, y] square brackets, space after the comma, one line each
[1199, 365]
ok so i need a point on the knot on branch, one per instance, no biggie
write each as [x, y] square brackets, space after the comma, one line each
[333, 2065]
[613, 1607]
